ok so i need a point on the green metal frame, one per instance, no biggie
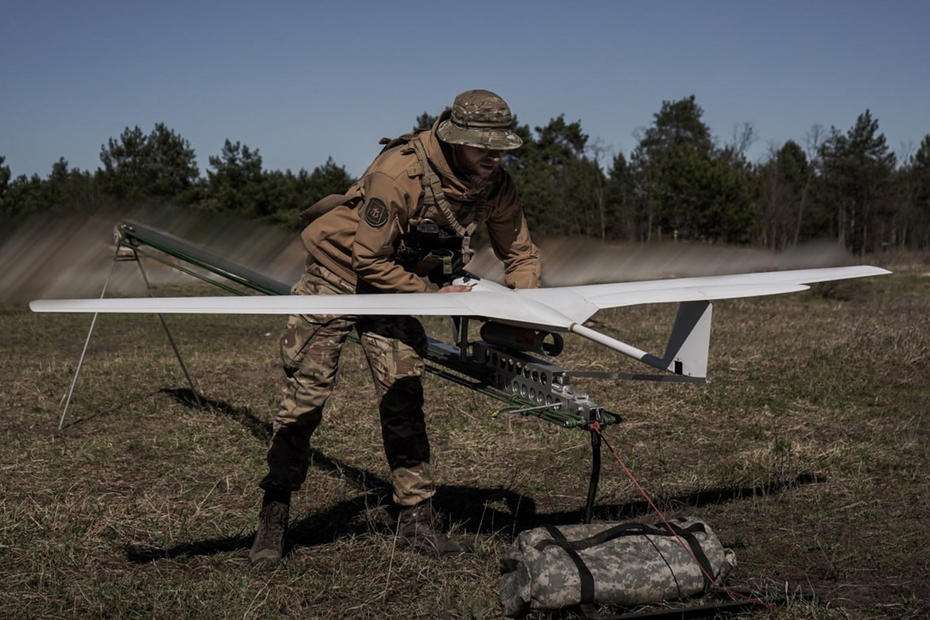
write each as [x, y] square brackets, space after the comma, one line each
[159, 246]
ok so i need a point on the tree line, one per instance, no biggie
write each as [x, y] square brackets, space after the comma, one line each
[679, 183]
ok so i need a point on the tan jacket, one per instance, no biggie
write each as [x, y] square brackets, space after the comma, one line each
[358, 240]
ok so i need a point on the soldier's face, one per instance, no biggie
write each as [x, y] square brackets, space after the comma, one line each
[478, 164]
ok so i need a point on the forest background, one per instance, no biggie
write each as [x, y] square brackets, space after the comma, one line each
[680, 182]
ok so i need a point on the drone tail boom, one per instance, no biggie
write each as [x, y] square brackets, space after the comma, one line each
[688, 346]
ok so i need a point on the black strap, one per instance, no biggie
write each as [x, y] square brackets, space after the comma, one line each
[618, 531]
[584, 574]
[625, 529]
[697, 550]
[629, 529]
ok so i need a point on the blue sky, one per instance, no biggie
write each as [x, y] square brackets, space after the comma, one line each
[302, 81]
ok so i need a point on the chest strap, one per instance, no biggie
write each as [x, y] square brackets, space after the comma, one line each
[433, 189]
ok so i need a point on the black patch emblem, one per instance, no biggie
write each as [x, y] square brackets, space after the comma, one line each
[376, 213]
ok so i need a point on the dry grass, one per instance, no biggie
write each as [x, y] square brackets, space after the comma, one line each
[808, 454]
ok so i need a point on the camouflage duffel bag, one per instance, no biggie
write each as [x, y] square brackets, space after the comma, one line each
[629, 564]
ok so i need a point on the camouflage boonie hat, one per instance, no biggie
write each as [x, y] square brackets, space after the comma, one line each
[480, 119]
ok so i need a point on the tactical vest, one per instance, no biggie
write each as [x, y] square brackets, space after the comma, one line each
[432, 249]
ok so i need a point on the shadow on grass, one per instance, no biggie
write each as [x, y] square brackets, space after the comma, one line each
[184, 396]
[707, 497]
[75, 423]
[478, 511]
[260, 429]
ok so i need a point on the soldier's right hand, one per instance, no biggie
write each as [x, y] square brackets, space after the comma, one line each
[455, 288]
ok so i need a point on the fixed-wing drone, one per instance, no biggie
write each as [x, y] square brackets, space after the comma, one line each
[515, 324]
[524, 320]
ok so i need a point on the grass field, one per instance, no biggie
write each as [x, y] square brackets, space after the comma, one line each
[809, 454]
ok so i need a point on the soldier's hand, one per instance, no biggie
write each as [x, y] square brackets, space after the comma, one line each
[455, 288]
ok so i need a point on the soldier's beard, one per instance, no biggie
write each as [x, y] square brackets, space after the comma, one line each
[475, 170]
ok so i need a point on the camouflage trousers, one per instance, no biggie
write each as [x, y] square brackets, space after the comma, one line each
[310, 350]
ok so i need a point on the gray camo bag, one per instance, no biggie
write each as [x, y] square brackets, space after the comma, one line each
[628, 564]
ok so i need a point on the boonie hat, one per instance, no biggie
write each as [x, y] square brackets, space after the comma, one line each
[481, 119]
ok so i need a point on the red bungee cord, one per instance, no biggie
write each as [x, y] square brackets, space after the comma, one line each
[595, 427]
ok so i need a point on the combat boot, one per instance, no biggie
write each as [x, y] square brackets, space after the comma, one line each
[418, 529]
[268, 548]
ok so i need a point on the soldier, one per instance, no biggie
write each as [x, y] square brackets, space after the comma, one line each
[403, 227]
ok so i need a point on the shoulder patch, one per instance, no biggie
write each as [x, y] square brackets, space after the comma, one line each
[376, 213]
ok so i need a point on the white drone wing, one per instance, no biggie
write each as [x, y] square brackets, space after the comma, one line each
[548, 308]
[559, 309]
[581, 302]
